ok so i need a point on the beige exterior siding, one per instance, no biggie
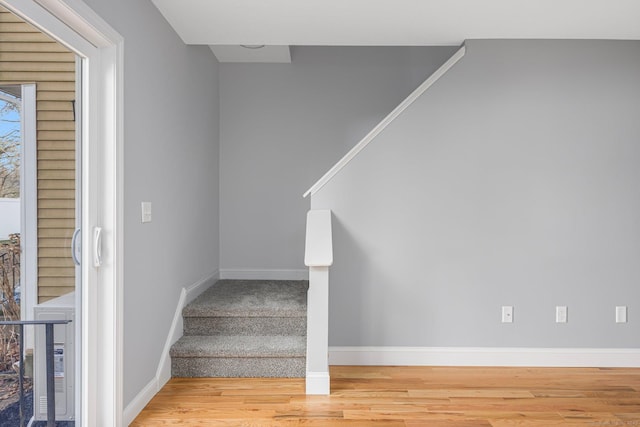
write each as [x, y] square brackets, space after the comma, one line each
[28, 56]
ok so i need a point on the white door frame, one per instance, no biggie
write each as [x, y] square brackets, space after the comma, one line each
[28, 210]
[78, 27]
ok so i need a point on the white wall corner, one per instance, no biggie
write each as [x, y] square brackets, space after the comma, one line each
[489, 356]
[163, 372]
[318, 383]
[267, 274]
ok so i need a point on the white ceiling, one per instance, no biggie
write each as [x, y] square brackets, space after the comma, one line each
[396, 22]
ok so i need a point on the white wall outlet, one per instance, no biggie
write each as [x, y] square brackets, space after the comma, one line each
[561, 314]
[621, 314]
[146, 212]
[507, 314]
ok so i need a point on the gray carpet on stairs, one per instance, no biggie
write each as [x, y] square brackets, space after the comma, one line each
[241, 346]
[232, 325]
[251, 298]
[244, 328]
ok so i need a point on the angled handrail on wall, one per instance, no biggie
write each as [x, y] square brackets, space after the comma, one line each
[318, 257]
[386, 121]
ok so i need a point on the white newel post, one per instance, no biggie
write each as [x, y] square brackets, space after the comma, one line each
[318, 257]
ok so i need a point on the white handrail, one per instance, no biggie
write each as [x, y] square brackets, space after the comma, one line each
[386, 121]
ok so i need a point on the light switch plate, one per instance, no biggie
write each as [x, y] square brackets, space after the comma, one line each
[621, 314]
[146, 212]
[561, 314]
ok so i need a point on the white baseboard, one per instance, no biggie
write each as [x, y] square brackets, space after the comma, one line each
[490, 356]
[175, 331]
[140, 401]
[163, 372]
[318, 383]
[193, 291]
[268, 274]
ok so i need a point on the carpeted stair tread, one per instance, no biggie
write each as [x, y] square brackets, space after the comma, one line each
[239, 346]
[251, 298]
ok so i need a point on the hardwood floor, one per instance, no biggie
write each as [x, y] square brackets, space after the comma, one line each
[373, 396]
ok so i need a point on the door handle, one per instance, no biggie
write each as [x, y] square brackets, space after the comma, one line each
[97, 247]
[75, 248]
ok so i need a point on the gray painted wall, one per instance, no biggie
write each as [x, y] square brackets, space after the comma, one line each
[284, 125]
[512, 181]
[171, 159]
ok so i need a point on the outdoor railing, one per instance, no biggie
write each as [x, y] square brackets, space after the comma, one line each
[51, 395]
[10, 270]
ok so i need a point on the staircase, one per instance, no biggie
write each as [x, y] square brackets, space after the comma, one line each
[244, 328]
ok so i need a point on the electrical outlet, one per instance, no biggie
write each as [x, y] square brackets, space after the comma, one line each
[507, 314]
[561, 314]
[621, 314]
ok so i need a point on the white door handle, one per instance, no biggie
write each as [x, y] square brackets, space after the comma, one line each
[97, 247]
[75, 247]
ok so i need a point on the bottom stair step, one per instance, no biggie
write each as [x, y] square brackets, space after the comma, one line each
[234, 367]
[239, 356]
[239, 346]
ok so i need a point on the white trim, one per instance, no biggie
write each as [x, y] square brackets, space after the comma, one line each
[141, 399]
[318, 330]
[117, 62]
[163, 372]
[49, 23]
[489, 356]
[82, 19]
[386, 121]
[79, 291]
[29, 210]
[266, 274]
[193, 291]
[102, 194]
[318, 383]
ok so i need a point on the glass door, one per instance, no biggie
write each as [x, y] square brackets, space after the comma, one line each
[43, 75]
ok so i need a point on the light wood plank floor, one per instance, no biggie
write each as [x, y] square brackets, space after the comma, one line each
[374, 396]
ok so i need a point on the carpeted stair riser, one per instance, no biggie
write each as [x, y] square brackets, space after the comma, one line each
[239, 367]
[245, 326]
[239, 356]
[241, 328]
